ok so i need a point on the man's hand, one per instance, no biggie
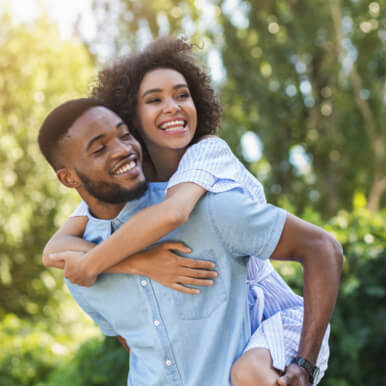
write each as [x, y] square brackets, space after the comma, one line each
[73, 268]
[294, 376]
[162, 264]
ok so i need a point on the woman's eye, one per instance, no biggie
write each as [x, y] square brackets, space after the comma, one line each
[153, 100]
[126, 136]
[183, 95]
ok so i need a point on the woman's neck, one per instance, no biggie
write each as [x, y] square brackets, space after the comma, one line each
[164, 163]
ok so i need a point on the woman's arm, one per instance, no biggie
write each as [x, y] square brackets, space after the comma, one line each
[161, 263]
[69, 234]
[141, 230]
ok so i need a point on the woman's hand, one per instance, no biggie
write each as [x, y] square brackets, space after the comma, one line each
[162, 264]
[73, 269]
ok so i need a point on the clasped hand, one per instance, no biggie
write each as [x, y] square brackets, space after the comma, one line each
[294, 376]
[160, 263]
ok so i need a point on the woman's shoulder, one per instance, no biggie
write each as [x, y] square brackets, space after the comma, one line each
[209, 145]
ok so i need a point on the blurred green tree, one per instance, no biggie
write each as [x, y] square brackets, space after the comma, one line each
[38, 70]
[309, 78]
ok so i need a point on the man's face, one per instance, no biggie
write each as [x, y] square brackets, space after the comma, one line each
[105, 157]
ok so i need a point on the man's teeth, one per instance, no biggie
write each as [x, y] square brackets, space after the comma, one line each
[126, 167]
[173, 125]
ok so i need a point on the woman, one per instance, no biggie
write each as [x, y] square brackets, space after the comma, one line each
[175, 116]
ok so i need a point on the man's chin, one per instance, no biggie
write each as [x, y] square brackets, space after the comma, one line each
[112, 193]
[121, 195]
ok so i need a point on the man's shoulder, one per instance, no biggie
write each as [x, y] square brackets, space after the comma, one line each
[235, 201]
[236, 207]
[246, 226]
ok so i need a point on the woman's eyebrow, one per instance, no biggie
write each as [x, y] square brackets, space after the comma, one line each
[180, 85]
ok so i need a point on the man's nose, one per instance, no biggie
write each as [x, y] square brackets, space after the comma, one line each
[122, 149]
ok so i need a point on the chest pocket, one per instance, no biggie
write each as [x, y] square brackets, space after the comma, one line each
[202, 305]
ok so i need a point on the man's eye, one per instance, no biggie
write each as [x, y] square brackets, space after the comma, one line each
[99, 150]
[126, 135]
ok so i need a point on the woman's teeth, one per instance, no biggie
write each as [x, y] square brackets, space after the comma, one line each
[126, 167]
[173, 125]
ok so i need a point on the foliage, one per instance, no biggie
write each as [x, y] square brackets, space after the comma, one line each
[37, 355]
[29, 352]
[309, 75]
[38, 70]
[96, 363]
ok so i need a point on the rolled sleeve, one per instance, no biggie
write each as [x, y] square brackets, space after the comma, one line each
[245, 227]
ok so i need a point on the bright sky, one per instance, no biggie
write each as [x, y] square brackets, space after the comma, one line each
[62, 12]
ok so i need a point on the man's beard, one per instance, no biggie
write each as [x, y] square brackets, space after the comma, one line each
[112, 193]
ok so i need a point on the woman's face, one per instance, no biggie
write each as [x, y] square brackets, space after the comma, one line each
[165, 110]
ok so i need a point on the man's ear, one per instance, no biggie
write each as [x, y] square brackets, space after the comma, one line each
[68, 177]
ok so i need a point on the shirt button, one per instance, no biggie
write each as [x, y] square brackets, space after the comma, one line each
[156, 323]
[143, 283]
[168, 363]
[116, 221]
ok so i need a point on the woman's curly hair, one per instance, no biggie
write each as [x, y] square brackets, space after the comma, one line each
[117, 85]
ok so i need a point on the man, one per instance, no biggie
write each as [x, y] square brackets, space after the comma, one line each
[175, 338]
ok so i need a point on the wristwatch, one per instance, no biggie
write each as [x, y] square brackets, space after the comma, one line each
[312, 370]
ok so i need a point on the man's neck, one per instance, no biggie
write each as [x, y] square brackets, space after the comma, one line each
[102, 210]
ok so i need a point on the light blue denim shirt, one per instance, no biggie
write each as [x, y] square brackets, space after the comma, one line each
[180, 339]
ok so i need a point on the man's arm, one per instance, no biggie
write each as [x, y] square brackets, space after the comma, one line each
[322, 258]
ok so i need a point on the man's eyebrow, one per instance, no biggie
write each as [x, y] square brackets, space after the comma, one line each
[180, 85]
[92, 141]
[119, 124]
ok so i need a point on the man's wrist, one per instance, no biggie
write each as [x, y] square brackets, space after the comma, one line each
[311, 369]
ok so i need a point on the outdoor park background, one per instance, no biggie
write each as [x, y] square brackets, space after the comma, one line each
[302, 83]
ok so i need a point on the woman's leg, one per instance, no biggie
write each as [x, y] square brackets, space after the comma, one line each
[254, 368]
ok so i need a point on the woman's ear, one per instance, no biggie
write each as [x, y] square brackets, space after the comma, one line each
[68, 177]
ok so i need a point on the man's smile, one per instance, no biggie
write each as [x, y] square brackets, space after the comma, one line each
[126, 166]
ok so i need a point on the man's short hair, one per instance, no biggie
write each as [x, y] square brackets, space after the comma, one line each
[57, 125]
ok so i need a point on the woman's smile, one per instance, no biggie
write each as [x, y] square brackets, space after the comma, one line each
[166, 111]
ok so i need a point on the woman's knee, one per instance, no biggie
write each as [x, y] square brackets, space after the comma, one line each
[254, 367]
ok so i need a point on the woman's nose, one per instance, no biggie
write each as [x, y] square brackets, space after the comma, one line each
[171, 106]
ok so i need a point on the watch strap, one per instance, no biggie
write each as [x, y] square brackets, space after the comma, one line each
[310, 368]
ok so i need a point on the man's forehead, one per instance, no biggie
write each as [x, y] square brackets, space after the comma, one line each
[97, 118]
